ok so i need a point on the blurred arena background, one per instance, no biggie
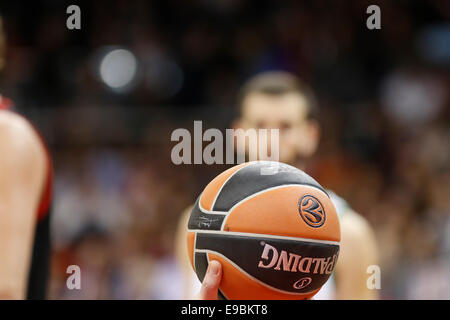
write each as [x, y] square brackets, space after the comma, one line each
[108, 96]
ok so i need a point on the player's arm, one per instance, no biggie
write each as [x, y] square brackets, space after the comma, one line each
[358, 251]
[22, 172]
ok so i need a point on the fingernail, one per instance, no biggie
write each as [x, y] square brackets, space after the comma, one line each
[213, 268]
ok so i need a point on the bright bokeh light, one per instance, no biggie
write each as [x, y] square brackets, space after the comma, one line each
[118, 69]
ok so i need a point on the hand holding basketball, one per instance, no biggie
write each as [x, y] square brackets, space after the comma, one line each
[211, 282]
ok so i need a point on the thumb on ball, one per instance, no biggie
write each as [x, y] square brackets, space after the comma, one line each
[211, 282]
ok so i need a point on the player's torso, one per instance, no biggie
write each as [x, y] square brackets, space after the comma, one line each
[39, 268]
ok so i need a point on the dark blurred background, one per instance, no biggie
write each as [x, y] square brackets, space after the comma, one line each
[108, 96]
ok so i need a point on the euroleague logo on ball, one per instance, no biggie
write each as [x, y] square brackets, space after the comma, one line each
[311, 211]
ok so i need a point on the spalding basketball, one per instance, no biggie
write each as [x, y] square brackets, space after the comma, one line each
[272, 227]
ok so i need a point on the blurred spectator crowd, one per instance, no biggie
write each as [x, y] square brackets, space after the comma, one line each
[385, 114]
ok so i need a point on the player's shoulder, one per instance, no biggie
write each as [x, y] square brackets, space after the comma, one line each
[355, 224]
[18, 134]
[13, 123]
[351, 221]
[339, 203]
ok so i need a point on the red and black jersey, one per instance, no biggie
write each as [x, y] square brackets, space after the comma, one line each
[39, 268]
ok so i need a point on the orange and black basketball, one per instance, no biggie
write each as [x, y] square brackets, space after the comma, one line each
[276, 235]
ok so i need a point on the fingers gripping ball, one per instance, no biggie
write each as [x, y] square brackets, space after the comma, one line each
[276, 235]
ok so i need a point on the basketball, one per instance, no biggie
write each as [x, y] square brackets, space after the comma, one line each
[272, 227]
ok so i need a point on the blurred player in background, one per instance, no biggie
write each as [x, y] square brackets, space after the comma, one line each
[278, 100]
[25, 196]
